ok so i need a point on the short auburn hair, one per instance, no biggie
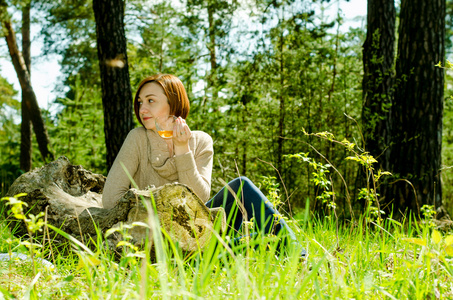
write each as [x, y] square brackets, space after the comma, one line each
[174, 90]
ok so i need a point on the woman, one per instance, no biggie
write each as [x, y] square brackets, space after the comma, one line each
[185, 158]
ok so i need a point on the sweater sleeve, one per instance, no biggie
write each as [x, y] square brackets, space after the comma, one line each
[195, 167]
[118, 182]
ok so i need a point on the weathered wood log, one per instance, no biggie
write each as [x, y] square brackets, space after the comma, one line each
[181, 214]
[72, 197]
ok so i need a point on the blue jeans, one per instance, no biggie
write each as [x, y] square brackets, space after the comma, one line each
[255, 204]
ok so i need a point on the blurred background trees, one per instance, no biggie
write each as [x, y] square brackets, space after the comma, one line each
[258, 74]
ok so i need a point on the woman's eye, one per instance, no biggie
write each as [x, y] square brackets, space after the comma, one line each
[150, 100]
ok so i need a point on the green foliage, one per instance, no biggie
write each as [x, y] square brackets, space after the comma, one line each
[270, 184]
[33, 224]
[162, 46]
[69, 30]
[447, 140]
[77, 131]
[285, 83]
[9, 150]
[367, 195]
[319, 178]
[429, 213]
[7, 96]
[372, 213]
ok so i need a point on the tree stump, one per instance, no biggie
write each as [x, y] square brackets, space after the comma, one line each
[72, 199]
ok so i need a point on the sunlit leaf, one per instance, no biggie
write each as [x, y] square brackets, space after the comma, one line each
[449, 250]
[127, 244]
[88, 260]
[20, 195]
[123, 243]
[386, 173]
[449, 240]
[420, 242]
[353, 158]
[111, 231]
[136, 254]
[436, 237]
[81, 264]
[140, 224]
[395, 222]
[19, 216]
[348, 144]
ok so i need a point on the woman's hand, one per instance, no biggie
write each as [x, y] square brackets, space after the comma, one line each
[181, 136]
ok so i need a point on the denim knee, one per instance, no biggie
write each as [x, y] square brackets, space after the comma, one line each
[242, 180]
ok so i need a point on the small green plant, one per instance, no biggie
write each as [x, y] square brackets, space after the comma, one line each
[428, 212]
[32, 223]
[367, 161]
[372, 213]
[320, 179]
[129, 249]
[270, 184]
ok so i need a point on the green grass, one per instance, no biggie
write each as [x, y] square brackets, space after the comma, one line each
[372, 262]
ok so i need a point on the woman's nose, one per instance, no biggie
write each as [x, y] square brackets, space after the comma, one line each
[143, 109]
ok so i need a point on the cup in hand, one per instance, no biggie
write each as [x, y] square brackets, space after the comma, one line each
[164, 126]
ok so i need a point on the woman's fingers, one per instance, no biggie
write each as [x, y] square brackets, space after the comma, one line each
[181, 131]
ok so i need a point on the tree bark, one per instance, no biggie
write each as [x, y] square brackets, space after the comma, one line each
[212, 80]
[377, 84]
[116, 89]
[418, 107]
[281, 115]
[25, 126]
[27, 90]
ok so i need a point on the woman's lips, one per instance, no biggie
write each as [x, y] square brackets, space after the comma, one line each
[146, 118]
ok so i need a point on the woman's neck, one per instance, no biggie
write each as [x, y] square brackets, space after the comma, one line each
[170, 146]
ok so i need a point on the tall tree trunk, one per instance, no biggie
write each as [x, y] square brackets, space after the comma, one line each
[418, 106]
[115, 82]
[25, 126]
[244, 114]
[25, 84]
[282, 108]
[377, 84]
[212, 80]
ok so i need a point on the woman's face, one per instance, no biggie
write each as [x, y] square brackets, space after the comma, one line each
[152, 103]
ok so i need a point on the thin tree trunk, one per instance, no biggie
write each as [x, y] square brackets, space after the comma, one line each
[27, 90]
[25, 126]
[282, 108]
[418, 107]
[244, 114]
[115, 82]
[212, 53]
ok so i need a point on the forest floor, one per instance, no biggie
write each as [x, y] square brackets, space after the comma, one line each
[360, 260]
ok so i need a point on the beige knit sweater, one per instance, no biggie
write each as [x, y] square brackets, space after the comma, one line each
[146, 157]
